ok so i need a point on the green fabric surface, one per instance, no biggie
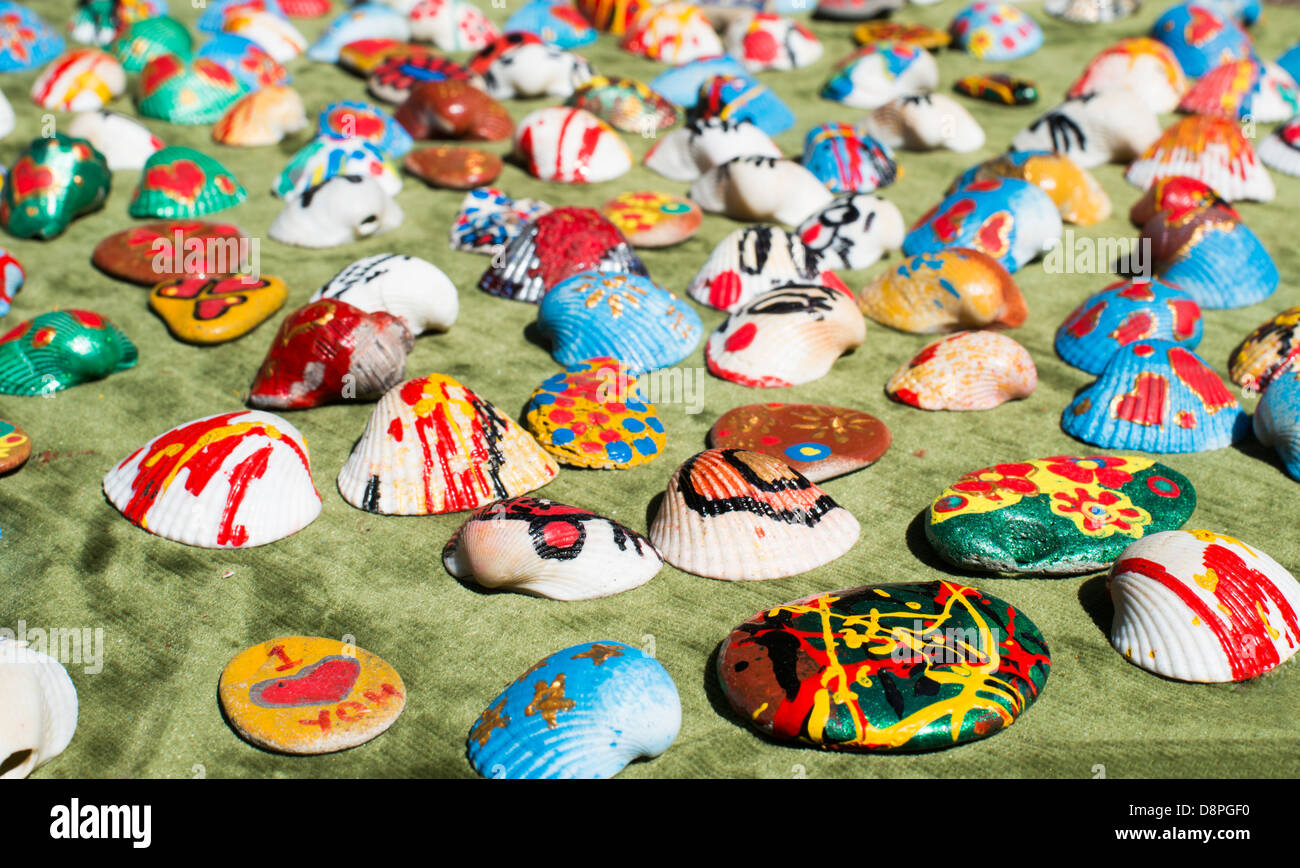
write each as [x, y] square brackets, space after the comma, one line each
[172, 618]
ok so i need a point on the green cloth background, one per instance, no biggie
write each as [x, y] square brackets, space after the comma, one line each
[171, 619]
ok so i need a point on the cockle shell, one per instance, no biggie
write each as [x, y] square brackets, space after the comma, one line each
[38, 709]
[245, 60]
[547, 549]
[55, 180]
[453, 109]
[995, 31]
[1112, 126]
[452, 25]
[742, 98]
[687, 153]
[1011, 220]
[847, 160]
[488, 219]
[276, 35]
[1078, 196]
[324, 158]
[363, 21]
[1200, 38]
[853, 231]
[673, 32]
[751, 261]
[61, 349]
[570, 145]
[433, 446]
[189, 91]
[338, 210]
[124, 141]
[1091, 11]
[765, 40]
[965, 371]
[1277, 419]
[28, 40]
[556, 22]
[535, 70]
[1124, 312]
[353, 119]
[761, 188]
[1196, 605]
[1138, 64]
[1193, 249]
[681, 84]
[83, 79]
[1224, 92]
[582, 712]
[881, 71]
[787, 336]
[263, 117]
[952, 290]
[924, 122]
[1267, 352]
[740, 516]
[181, 182]
[409, 288]
[1281, 150]
[625, 104]
[233, 480]
[1213, 150]
[1156, 396]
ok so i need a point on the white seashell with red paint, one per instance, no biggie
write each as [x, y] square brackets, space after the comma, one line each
[38, 709]
[925, 122]
[274, 34]
[263, 117]
[751, 261]
[452, 25]
[853, 231]
[570, 145]
[124, 141]
[1212, 150]
[761, 188]
[687, 153]
[1142, 65]
[965, 371]
[1113, 126]
[83, 79]
[534, 69]
[769, 41]
[673, 32]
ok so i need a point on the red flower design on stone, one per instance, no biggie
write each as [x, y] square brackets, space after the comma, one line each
[1097, 469]
[992, 481]
[1097, 512]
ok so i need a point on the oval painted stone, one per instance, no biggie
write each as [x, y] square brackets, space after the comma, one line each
[307, 695]
[213, 310]
[452, 167]
[154, 252]
[998, 87]
[917, 34]
[653, 219]
[820, 442]
[1056, 516]
[906, 667]
[15, 446]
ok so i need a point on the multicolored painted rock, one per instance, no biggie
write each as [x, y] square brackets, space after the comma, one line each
[245, 60]
[1213, 150]
[452, 167]
[156, 252]
[1140, 64]
[61, 349]
[15, 447]
[1267, 352]
[998, 87]
[952, 290]
[625, 104]
[965, 371]
[83, 79]
[308, 695]
[54, 181]
[180, 182]
[1011, 220]
[1078, 196]
[453, 110]
[1201, 38]
[917, 34]
[354, 119]
[12, 276]
[876, 668]
[593, 415]
[26, 40]
[393, 79]
[995, 31]
[488, 220]
[1124, 312]
[215, 310]
[150, 38]
[653, 219]
[818, 441]
[193, 91]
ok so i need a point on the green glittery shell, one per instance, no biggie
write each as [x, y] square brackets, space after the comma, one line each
[182, 182]
[61, 349]
[187, 90]
[54, 181]
[149, 38]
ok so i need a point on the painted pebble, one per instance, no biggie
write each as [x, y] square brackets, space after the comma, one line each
[917, 34]
[54, 181]
[453, 168]
[649, 219]
[154, 252]
[965, 371]
[453, 110]
[61, 349]
[998, 87]
[818, 441]
[625, 104]
[15, 446]
[214, 310]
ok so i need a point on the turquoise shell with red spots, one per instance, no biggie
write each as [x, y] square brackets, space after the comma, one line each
[60, 349]
[26, 40]
[1011, 220]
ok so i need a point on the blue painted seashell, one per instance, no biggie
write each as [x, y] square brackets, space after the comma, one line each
[1156, 396]
[322, 158]
[995, 31]
[737, 98]
[1245, 12]
[559, 24]
[1011, 220]
[245, 60]
[366, 21]
[354, 119]
[1132, 310]
[1290, 61]
[583, 712]
[214, 16]
[1194, 250]
[1201, 38]
[880, 72]
[1277, 420]
[26, 40]
[847, 161]
[681, 84]
[627, 316]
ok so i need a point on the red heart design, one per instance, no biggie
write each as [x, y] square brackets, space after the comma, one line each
[211, 308]
[947, 225]
[329, 679]
[182, 179]
[28, 177]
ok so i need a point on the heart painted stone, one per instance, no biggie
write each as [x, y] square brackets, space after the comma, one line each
[820, 442]
[1056, 516]
[649, 219]
[15, 446]
[53, 181]
[151, 253]
[452, 167]
[453, 110]
[214, 310]
[308, 695]
[890, 668]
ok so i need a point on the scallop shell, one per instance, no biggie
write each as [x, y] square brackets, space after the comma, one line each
[276, 35]
[1011, 220]
[687, 153]
[881, 71]
[952, 290]
[1200, 38]
[1213, 150]
[924, 122]
[340, 209]
[488, 219]
[1196, 605]
[54, 180]
[535, 70]
[1277, 420]
[245, 60]
[1113, 126]
[1079, 198]
[547, 549]
[1224, 92]
[626, 316]
[1138, 64]
[38, 709]
[674, 32]
[570, 145]
[848, 161]
[363, 21]
[325, 158]
[1267, 352]
[853, 231]
[1124, 312]
[995, 31]
[139, 42]
[354, 119]
[582, 712]
[409, 288]
[1194, 249]
[761, 188]
[1281, 150]
[1091, 11]
[769, 41]
[233, 480]
[189, 91]
[625, 104]
[742, 98]
[124, 141]
[433, 446]
[263, 117]
[83, 79]
[975, 370]
[740, 516]
[452, 25]
[751, 261]
[1156, 396]
[180, 182]
[681, 85]
[29, 40]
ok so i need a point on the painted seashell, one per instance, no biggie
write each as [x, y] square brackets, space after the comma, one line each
[245, 60]
[182, 182]
[1276, 97]
[363, 21]
[681, 84]
[1079, 198]
[1072, 514]
[393, 80]
[247, 482]
[305, 8]
[124, 141]
[879, 676]
[364, 56]
[952, 290]
[409, 288]
[274, 34]
[998, 88]
[582, 712]
[882, 71]
[1225, 91]
[1091, 11]
[613, 16]
[324, 158]
[340, 209]
[673, 32]
[263, 117]
[649, 219]
[150, 38]
[1194, 249]
[15, 448]
[744, 516]
[1176, 195]
[1277, 419]
[995, 31]
[742, 98]
[28, 41]
[1196, 605]
[61, 349]
[452, 25]
[1112, 126]
[453, 110]
[965, 371]
[38, 703]
[626, 316]
[7, 119]
[818, 441]
[217, 12]
[547, 549]
[83, 79]
[853, 231]
[12, 276]
[1138, 64]
[924, 122]
[1011, 220]
[1267, 352]
[353, 119]
[95, 23]
[847, 160]
[1212, 150]
[769, 41]
[555, 23]
[489, 219]
[54, 181]
[534, 70]
[1244, 12]
[917, 34]
[687, 153]
[856, 10]
[571, 146]
[625, 104]
[1124, 312]
[432, 446]
[187, 91]
[1290, 60]
[1200, 37]
[1281, 150]
[787, 336]
[761, 188]
[1156, 396]
[487, 55]
[751, 261]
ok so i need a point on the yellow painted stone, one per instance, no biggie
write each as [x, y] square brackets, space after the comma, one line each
[212, 310]
[307, 695]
